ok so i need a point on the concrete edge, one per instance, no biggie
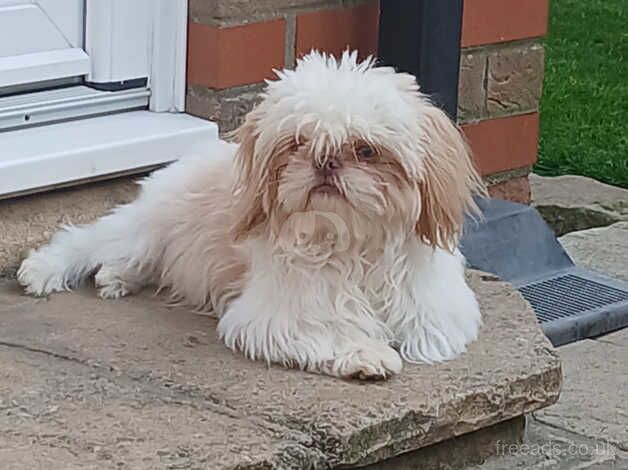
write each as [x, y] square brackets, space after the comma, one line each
[414, 438]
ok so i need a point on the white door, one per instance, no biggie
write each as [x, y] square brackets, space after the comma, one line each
[40, 41]
[91, 89]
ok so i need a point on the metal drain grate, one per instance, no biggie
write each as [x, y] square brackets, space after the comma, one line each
[569, 295]
[514, 242]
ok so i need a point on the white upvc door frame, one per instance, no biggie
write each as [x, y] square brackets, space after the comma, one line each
[140, 39]
[169, 55]
[131, 44]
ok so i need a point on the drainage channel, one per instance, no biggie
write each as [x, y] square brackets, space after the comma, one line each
[513, 242]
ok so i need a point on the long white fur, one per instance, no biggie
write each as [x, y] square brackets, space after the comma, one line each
[348, 310]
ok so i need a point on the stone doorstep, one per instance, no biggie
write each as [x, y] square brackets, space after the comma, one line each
[29, 221]
[134, 383]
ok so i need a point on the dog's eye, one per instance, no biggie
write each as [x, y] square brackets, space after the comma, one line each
[365, 152]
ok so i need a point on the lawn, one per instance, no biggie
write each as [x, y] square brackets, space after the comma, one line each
[584, 110]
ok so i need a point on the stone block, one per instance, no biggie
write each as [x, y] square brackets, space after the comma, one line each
[569, 203]
[471, 85]
[135, 383]
[514, 79]
[225, 107]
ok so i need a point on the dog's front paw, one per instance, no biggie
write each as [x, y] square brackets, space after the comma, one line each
[372, 361]
[111, 284]
[39, 277]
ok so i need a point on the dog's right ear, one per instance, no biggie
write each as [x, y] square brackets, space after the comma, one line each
[250, 178]
[257, 162]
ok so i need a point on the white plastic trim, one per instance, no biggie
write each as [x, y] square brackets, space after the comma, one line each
[62, 104]
[117, 34]
[45, 156]
[68, 16]
[168, 65]
[140, 38]
[40, 66]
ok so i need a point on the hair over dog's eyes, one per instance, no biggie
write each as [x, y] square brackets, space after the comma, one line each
[365, 152]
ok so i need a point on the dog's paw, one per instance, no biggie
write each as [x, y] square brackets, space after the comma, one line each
[375, 361]
[110, 283]
[39, 277]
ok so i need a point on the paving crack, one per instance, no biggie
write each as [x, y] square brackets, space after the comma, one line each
[65, 357]
[162, 390]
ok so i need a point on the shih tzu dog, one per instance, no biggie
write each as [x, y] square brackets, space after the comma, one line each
[325, 239]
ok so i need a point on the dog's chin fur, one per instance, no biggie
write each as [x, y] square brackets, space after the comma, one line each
[343, 274]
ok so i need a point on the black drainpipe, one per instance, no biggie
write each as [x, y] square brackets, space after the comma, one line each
[422, 37]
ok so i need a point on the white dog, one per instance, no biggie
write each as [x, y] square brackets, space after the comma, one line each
[325, 240]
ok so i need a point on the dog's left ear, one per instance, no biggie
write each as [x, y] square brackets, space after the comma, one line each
[447, 183]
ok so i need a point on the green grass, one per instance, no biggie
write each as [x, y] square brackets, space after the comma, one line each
[584, 110]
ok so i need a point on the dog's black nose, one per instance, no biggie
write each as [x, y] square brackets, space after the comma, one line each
[328, 166]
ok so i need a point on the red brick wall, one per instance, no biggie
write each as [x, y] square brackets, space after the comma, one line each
[501, 76]
[235, 44]
[238, 42]
[333, 29]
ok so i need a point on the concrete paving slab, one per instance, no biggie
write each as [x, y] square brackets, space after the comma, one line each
[569, 203]
[588, 427]
[11, 295]
[594, 402]
[60, 414]
[104, 365]
[603, 249]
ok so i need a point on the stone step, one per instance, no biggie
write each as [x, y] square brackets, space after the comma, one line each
[98, 384]
[569, 203]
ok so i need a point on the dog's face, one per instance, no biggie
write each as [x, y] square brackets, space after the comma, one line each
[345, 137]
[357, 173]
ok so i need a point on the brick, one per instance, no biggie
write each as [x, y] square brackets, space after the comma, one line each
[471, 89]
[493, 21]
[515, 189]
[225, 107]
[334, 30]
[222, 57]
[505, 143]
[208, 11]
[514, 79]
